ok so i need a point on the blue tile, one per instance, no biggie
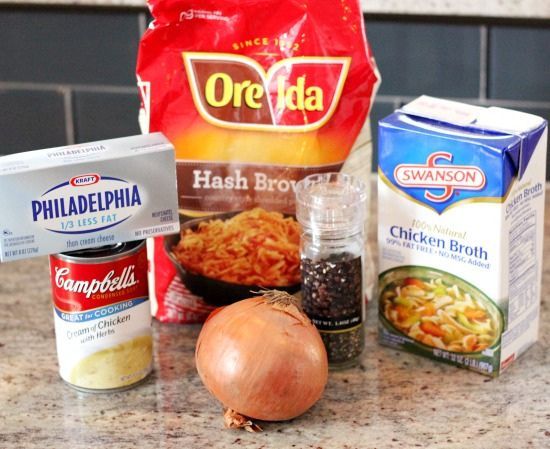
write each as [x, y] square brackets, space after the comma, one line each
[519, 66]
[105, 115]
[31, 120]
[63, 46]
[432, 59]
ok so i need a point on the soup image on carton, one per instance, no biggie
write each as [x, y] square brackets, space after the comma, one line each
[439, 310]
[460, 232]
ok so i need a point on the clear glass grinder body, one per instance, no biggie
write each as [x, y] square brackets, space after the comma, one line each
[331, 209]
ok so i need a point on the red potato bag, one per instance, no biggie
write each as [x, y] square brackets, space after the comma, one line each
[254, 95]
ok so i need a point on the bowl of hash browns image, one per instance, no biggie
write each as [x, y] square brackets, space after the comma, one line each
[225, 257]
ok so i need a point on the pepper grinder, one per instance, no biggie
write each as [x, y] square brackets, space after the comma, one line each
[331, 208]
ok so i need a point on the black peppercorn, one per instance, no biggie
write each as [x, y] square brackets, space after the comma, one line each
[332, 295]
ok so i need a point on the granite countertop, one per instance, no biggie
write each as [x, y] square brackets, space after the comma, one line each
[518, 9]
[392, 400]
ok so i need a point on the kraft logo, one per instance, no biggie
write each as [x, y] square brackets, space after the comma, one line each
[439, 177]
[85, 180]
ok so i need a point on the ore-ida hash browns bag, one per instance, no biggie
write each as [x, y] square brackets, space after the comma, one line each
[254, 95]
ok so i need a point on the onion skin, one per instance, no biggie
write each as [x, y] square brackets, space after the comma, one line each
[263, 359]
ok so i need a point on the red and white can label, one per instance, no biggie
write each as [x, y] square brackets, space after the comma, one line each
[102, 320]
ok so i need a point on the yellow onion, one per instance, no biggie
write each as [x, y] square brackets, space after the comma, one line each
[262, 358]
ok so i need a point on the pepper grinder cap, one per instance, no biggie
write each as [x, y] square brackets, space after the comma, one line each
[331, 203]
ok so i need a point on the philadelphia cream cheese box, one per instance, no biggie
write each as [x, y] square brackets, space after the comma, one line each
[88, 195]
[461, 227]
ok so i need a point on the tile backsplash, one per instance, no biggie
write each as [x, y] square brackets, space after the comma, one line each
[67, 75]
[519, 64]
[31, 119]
[99, 115]
[415, 58]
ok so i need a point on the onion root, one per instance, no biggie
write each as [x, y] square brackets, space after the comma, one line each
[234, 420]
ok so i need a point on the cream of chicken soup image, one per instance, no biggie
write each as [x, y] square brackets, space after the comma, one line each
[461, 216]
[102, 316]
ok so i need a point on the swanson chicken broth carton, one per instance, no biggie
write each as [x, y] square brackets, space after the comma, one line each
[461, 195]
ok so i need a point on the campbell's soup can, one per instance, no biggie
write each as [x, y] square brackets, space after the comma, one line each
[102, 316]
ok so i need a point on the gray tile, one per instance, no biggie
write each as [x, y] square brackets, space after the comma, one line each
[105, 115]
[379, 111]
[63, 46]
[431, 59]
[519, 63]
[31, 120]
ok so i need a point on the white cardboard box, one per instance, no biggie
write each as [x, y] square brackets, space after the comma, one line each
[87, 195]
[461, 203]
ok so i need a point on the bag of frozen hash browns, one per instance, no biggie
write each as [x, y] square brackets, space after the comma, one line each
[254, 95]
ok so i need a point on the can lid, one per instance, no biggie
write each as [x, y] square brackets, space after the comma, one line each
[331, 203]
[105, 252]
